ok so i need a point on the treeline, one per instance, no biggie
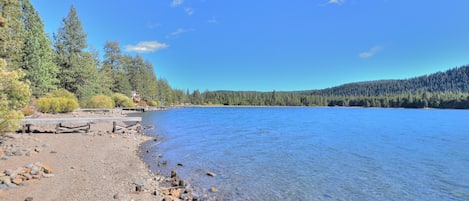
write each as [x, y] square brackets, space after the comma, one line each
[66, 62]
[448, 89]
[453, 80]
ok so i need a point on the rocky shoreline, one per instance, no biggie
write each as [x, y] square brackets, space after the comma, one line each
[99, 165]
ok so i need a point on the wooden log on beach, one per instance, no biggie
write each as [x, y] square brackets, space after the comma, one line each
[84, 121]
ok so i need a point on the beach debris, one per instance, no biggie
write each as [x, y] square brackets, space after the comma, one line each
[212, 174]
[14, 178]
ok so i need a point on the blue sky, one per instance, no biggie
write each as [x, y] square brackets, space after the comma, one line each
[278, 45]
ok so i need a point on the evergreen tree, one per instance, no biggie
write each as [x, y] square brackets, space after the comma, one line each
[38, 63]
[11, 33]
[113, 71]
[76, 67]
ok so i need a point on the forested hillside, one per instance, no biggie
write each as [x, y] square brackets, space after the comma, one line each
[453, 80]
[448, 89]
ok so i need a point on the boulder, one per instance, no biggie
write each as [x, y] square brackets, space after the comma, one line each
[173, 173]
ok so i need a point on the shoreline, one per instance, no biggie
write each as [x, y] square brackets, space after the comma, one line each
[99, 165]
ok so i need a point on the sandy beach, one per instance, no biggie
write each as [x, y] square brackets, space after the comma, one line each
[99, 165]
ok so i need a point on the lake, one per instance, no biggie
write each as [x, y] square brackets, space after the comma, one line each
[304, 153]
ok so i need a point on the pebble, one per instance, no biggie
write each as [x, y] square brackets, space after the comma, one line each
[29, 199]
[117, 196]
[213, 189]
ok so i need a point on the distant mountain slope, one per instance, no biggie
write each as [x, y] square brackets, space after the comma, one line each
[453, 80]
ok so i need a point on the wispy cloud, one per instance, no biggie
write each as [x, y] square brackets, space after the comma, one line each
[213, 20]
[176, 3]
[146, 47]
[189, 11]
[338, 2]
[371, 52]
[178, 32]
[153, 26]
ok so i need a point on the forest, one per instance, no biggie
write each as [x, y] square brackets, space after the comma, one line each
[64, 61]
[60, 72]
[449, 89]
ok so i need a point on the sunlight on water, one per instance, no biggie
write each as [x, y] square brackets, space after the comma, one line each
[316, 153]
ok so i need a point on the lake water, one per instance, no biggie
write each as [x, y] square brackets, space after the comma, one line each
[289, 153]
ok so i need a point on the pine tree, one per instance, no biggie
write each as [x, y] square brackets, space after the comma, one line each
[113, 71]
[38, 63]
[11, 32]
[76, 67]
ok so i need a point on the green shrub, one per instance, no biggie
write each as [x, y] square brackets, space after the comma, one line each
[122, 100]
[100, 101]
[154, 103]
[61, 93]
[56, 105]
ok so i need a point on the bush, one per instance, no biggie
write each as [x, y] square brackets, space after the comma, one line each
[56, 105]
[61, 93]
[154, 103]
[99, 101]
[122, 100]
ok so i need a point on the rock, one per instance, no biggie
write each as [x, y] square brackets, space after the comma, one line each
[45, 175]
[182, 183]
[174, 182]
[35, 170]
[5, 180]
[166, 192]
[12, 185]
[175, 193]
[29, 199]
[17, 181]
[180, 165]
[29, 166]
[213, 189]
[47, 169]
[212, 174]
[167, 198]
[4, 158]
[28, 176]
[3, 187]
[53, 152]
[18, 152]
[1, 152]
[173, 173]
[117, 196]
[37, 150]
